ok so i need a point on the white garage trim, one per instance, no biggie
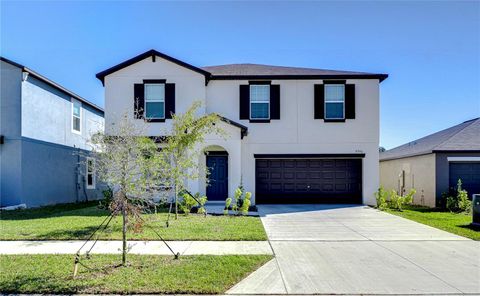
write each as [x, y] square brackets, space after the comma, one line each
[464, 158]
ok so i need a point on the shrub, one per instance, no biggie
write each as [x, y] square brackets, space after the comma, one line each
[246, 203]
[459, 202]
[228, 202]
[201, 204]
[187, 202]
[381, 195]
[240, 203]
[397, 201]
[107, 198]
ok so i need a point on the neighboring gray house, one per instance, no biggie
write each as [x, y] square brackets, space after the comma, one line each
[434, 163]
[43, 126]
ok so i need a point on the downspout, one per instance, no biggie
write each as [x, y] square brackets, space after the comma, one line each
[77, 176]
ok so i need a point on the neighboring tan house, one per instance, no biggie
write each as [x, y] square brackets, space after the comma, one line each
[294, 134]
[43, 127]
[434, 164]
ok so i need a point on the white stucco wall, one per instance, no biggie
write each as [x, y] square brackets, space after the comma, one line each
[296, 132]
[119, 96]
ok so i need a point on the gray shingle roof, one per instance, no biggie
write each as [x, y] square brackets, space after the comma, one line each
[461, 137]
[257, 69]
[247, 71]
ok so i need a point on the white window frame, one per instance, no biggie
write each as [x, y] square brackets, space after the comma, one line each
[153, 101]
[94, 179]
[259, 102]
[73, 116]
[343, 102]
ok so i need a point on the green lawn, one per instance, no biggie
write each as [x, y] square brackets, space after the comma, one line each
[77, 221]
[41, 274]
[455, 223]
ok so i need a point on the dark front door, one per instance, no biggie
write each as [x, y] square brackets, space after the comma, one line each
[217, 188]
[469, 173]
[308, 180]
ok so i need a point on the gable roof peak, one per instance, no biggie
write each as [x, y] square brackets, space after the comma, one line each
[149, 53]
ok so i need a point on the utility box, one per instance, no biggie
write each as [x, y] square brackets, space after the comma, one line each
[476, 209]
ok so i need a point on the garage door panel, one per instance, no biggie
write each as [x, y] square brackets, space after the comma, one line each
[301, 163]
[328, 175]
[328, 163]
[275, 164]
[301, 175]
[276, 175]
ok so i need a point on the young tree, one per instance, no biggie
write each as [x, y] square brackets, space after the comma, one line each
[181, 150]
[123, 161]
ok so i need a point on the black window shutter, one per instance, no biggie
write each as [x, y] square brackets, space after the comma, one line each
[275, 101]
[319, 104]
[244, 101]
[349, 101]
[138, 100]
[169, 100]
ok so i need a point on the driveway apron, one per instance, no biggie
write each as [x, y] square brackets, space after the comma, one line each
[341, 249]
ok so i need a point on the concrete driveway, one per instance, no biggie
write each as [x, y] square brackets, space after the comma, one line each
[331, 249]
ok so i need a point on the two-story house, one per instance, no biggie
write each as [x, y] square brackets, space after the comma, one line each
[294, 134]
[44, 132]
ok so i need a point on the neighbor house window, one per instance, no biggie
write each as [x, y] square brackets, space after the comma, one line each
[76, 116]
[90, 173]
[155, 101]
[334, 101]
[259, 101]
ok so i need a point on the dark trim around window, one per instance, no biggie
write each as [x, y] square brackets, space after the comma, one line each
[154, 81]
[334, 82]
[261, 82]
[260, 120]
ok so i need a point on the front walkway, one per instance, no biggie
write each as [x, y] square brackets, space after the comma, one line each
[328, 249]
[138, 247]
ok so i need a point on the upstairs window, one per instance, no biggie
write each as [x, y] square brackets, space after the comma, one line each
[259, 101]
[90, 173]
[76, 116]
[155, 101]
[334, 101]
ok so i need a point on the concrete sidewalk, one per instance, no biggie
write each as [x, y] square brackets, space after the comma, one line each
[138, 247]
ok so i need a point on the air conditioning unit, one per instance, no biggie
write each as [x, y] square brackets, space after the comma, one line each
[476, 209]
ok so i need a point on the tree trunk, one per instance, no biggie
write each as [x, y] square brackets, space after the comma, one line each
[124, 232]
[176, 203]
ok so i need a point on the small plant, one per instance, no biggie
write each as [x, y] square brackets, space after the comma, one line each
[187, 202]
[228, 202]
[381, 195]
[246, 203]
[107, 198]
[202, 200]
[459, 202]
[240, 203]
[398, 201]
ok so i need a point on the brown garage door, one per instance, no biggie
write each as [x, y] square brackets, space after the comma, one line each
[308, 180]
